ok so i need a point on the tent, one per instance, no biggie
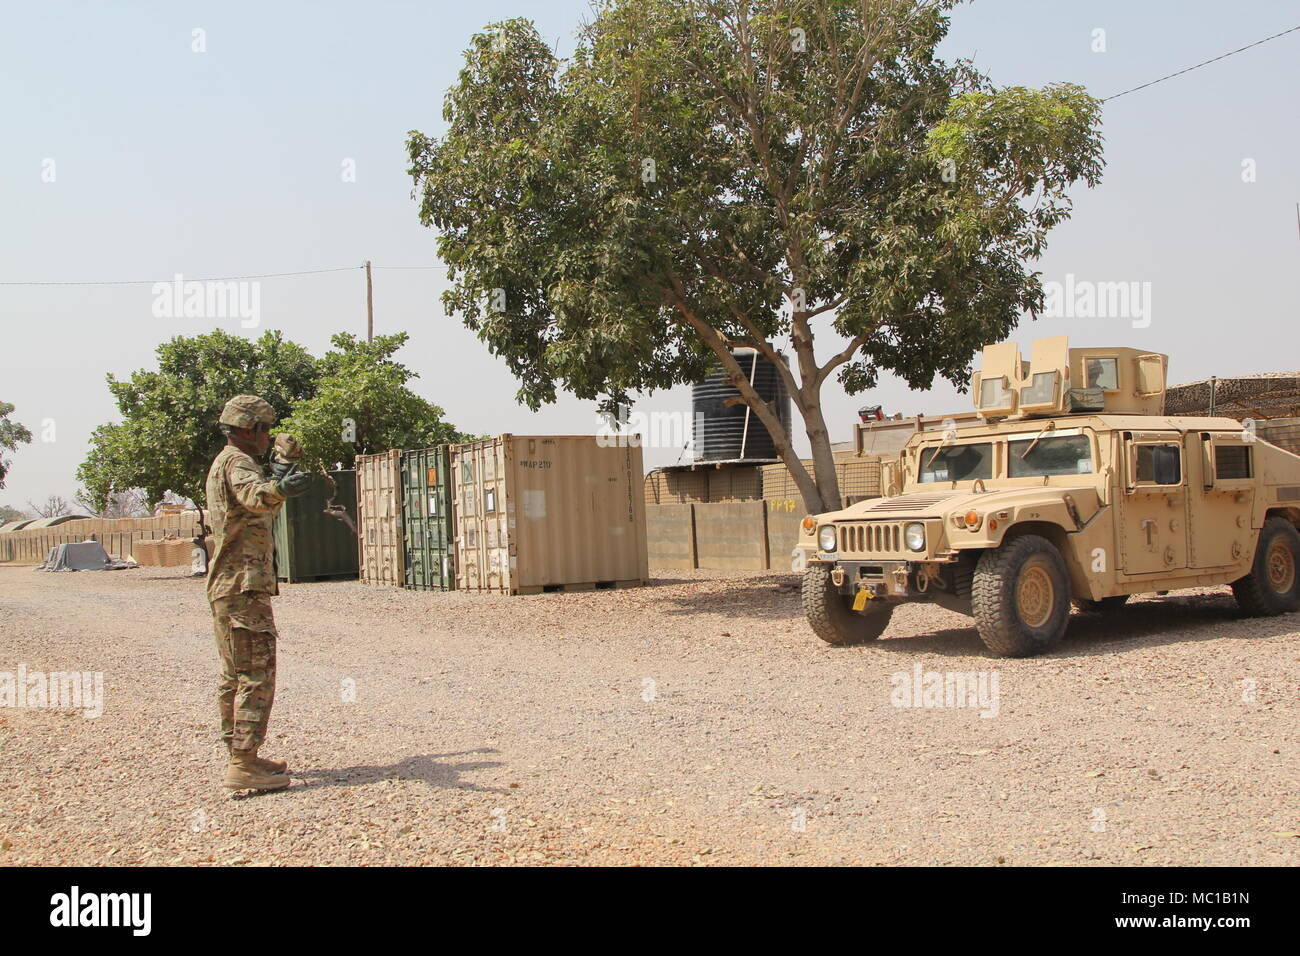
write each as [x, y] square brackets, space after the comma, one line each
[81, 556]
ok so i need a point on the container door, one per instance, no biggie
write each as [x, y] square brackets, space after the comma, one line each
[483, 536]
[464, 477]
[414, 520]
[438, 501]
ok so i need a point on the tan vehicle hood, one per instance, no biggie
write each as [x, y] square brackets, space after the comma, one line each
[938, 504]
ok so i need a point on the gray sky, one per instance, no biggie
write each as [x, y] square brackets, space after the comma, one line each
[230, 161]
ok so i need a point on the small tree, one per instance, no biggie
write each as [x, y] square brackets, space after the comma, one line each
[9, 513]
[12, 434]
[54, 506]
[129, 503]
[707, 174]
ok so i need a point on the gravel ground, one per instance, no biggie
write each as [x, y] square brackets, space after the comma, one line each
[694, 721]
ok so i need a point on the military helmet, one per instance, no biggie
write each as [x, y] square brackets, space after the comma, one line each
[245, 411]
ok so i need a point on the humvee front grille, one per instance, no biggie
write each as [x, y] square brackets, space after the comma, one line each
[871, 538]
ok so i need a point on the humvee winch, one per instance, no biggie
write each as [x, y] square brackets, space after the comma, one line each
[1073, 488]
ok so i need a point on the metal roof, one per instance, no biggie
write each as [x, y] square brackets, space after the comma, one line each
[56, 520]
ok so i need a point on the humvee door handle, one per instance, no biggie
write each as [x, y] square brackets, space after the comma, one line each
[1149, 526]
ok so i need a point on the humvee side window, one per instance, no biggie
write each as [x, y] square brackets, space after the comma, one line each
[1062, 455]
[1232, 461]
[1159, 464]
[957, 462]
[1103, 373]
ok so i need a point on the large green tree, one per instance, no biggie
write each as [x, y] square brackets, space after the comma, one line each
[12, 434]
[362, 405]
[711, 174]
[168, 436]
[352, 400]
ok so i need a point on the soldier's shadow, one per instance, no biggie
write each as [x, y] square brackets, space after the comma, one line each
[433, 769]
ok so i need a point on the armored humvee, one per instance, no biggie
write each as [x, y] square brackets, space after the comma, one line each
[1073, 488]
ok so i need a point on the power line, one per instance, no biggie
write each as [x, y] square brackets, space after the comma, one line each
[264, 275]
[1199, 65]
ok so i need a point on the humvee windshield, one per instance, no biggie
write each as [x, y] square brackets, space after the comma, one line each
[957, 462]
[1059, 455]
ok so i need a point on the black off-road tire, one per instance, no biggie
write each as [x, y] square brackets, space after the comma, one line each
[1273, 585]
[1021, 597]
[831, 613]
[1105, 606]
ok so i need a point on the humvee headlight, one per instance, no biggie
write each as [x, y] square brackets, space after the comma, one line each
[826, 537]
[914, 536]
[809, 524]
[973, 520]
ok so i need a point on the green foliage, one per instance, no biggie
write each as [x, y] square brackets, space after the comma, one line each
[714, 173]
[12, 434]
[168, 436]
[9, 513]
[360, 384]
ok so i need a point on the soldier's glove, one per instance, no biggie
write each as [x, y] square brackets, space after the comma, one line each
[291, 486]
[282, 469]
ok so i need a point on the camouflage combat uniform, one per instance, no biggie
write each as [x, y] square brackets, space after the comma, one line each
[241, 579]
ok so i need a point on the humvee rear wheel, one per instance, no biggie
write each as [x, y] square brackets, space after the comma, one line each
[1273, 585]
[831, 613]
[1103, 606]
[1021, 597]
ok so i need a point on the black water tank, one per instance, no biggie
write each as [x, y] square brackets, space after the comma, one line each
[727, 432]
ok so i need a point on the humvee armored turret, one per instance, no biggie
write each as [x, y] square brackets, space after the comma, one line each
[1071, 488]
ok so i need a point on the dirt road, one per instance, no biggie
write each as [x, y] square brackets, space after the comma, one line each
[697, 720]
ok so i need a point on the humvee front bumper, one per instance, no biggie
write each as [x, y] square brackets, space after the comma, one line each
[880, 579]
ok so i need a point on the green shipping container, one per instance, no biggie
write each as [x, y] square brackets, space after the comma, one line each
[427, 519]
[310, 544]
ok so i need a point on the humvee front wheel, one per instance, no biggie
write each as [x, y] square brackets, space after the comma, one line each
[1273, 585]
[831, 613]
[1020, 597]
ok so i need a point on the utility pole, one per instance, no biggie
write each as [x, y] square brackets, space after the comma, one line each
[370, 307]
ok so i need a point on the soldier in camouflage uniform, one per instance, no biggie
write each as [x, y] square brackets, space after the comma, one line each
[243, 503]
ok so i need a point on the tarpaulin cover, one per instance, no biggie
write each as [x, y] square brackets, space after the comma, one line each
[80, 556]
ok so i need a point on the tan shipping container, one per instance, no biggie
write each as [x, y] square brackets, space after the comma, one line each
[548, 512]
[379, 518]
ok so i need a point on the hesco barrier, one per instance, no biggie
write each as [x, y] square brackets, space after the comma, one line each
[117, 535]
[547, 512]
[427, 528]
[311, 545]
[379, 518]
[859, 478]
[1283, 432]
[752, 535]
[709, 483]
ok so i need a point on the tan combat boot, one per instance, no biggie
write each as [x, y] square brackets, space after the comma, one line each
[270, 766]
[245, 773]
